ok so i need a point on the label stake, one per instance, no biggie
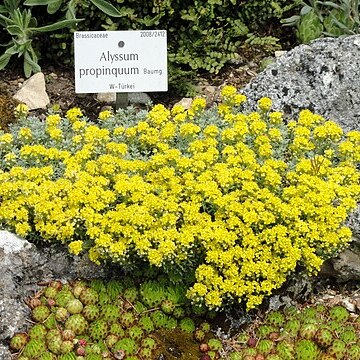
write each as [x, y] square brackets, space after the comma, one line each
[122, 100]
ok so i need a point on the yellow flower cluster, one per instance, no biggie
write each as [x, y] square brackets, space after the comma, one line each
[21, 110]
[241, 201]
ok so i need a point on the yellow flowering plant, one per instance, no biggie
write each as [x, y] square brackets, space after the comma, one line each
[236, 202]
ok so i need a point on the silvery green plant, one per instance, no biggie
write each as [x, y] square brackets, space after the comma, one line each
[54, 5]
[329, 18]
[22, 27]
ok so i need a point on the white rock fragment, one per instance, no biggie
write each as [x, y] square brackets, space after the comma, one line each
[349, 305]
[11, 243]
[33, 92]
[185, 103]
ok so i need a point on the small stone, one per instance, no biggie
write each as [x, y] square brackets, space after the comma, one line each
[139, 98]
[33, 92]
[349, 305]
[185, 103]
[204, 347]
[209, 89]
[279, 53]
[106, 97]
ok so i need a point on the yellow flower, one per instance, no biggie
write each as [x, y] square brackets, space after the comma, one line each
[130, 132]
[228, 91]
[168, 131]
[25, 133]
[53, 120]
[354, 136]
[223, 109]
[239, 99]
[276, 117]
[264, 104]
[94, 255]
[78, 125]
[275, 134]
[22, 229]
[21, 110]
[189, 129]
[155, 257]
[74, 114]
[77, 139]
[75, 247]
[346, 148]
[158, 115]
[6, 138]
[116, 148]
[177, 109]
[198, 104]
[10, 157]
[260, 196]
[55, 133]
[106, 114]
[180, 117]
[211, 131]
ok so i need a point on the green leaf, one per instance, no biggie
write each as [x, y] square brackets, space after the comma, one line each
[54, 7]
[27, 69]
[39, 2]
[107, 8]
[4, 60]
[342, 26]
[11, 5]
[293, 20]
[6, 19]
[30, 66]
[56, 26]
[14, 30]
[331, 4]
[71, 10]
[11, 50]
[305, 10]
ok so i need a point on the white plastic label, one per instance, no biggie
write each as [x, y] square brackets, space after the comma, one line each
[120, 61]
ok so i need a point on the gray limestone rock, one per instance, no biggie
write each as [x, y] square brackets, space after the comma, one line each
[347, 265]
[22, 266]
[33, 92]
[323, 77]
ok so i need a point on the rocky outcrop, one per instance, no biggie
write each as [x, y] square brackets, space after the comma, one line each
[323, 76]
[22, 266]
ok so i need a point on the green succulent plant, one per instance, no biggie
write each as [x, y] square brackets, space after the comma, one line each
[330, 18]
[187, 325]
[313, 332]
[87, 329]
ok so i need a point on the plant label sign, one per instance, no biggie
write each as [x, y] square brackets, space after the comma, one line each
[120, 61]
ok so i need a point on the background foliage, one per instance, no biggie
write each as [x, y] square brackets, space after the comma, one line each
[202, 35]
[325, 18]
